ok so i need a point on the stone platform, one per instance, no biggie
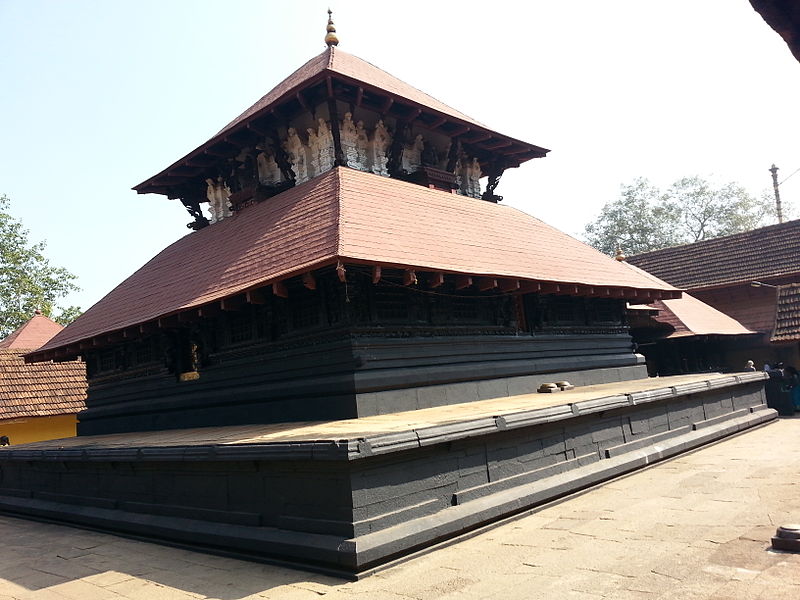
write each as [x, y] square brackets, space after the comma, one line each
[345, 496]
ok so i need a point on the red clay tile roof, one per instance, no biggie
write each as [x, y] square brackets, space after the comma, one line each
[690, 316]
[32, 334]
[39, 390]
[764, 253]
[354, 217]
[787, 314]
[332, 61]
[336, 61]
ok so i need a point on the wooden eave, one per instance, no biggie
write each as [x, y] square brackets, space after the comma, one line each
[310, 93]
[423, 277]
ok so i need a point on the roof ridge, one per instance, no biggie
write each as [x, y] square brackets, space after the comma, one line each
[337, 194]
[331, 50]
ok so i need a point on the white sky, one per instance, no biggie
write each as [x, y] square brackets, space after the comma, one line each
[99, 95]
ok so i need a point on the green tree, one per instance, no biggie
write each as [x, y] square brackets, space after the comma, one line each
[645, 218]
[27, 279]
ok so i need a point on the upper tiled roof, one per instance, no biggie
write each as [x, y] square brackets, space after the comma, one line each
[690, 316]
[336, 61]
[343, 66]
[39, 390]
[764, 253]
[357, 217]
[787, 314]
[32, 334]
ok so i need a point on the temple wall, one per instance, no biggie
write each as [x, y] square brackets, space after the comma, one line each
[342, 351]
[354, 376]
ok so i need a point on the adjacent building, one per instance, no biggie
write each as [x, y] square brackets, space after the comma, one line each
[751, 276]
[38, 401]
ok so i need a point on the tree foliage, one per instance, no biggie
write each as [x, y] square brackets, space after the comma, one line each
[27, 279]
[645, 218]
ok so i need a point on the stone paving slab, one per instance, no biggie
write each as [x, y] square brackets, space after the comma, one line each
[389, 423]
[695, 527]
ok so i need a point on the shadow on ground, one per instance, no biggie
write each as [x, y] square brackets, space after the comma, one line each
[76, 558]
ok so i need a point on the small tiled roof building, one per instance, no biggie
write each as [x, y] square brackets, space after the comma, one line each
[38, 401]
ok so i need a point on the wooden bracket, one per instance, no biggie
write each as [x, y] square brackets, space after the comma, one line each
[436, 280]
[188, 316]
[550, 288]
[308, 281]
[508, 285]
[437, 123]
[255, 297]
[209, 310]
[341, 272]
[530, 287]
[463, 281]
[409, 277]
[376, 274]
[279, 289]
[232, 304]
[486, 283]
[168, 322]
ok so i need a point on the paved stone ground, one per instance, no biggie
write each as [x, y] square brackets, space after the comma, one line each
[694, 527]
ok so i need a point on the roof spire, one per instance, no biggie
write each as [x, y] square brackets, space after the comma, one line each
[331, 38]
[619, 255]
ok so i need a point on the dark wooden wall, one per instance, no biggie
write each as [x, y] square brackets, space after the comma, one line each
[310, 355]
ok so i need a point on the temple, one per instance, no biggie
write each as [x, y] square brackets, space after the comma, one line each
[340, 363]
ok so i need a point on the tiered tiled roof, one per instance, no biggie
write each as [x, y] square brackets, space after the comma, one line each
[787, 315]
[38, 390]
[356, 218]
[334, 60]
[335, 65]
[766, 253]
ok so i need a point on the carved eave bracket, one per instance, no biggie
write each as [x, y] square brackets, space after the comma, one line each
[495, 172]
[191, 197]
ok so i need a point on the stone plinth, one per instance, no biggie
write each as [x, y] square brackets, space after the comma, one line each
[345, 496]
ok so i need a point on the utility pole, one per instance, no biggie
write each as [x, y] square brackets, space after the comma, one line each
[774, 171]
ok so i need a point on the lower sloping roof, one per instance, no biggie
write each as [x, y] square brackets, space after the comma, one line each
[690, 316]
[350, 216]
[39, 390]
[787, 314]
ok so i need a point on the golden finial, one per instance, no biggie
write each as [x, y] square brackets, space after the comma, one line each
[331, 38]
[620, 255]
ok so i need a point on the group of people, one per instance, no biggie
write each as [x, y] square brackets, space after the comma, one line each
[789, 378]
